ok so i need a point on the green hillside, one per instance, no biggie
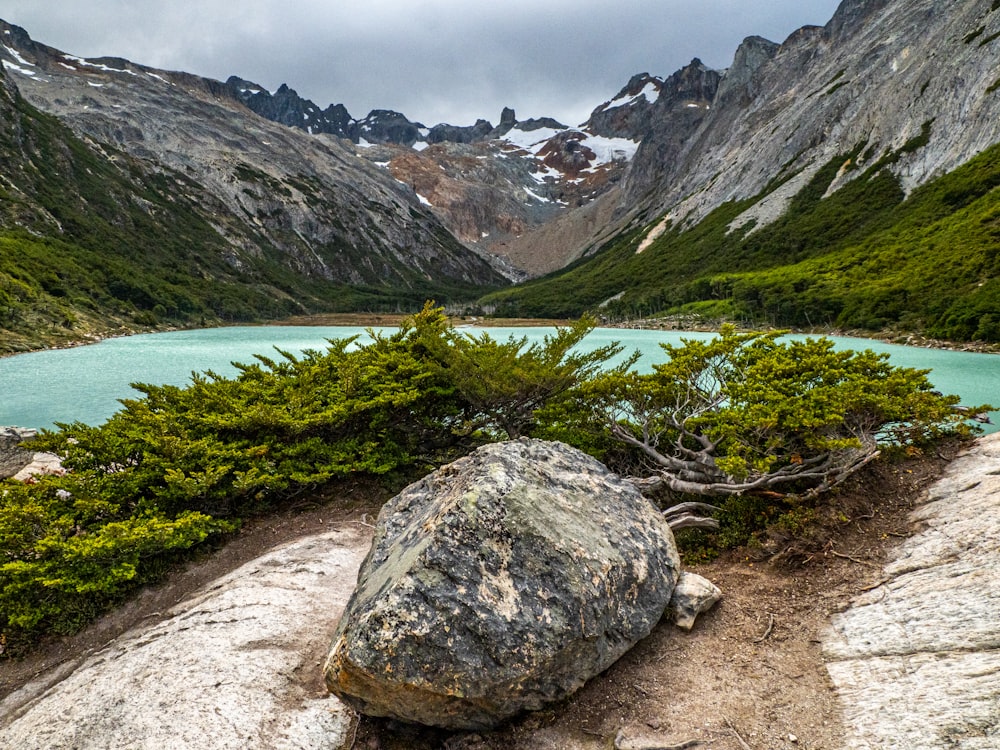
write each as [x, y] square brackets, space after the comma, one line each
[861, 258]
[93, 241]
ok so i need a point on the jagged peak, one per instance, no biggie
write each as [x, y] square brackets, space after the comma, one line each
[642, 88]
[537, 123]
[752, 53]
[850, 14]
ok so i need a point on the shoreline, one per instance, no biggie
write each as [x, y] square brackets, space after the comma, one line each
[364, 320]
[900, 338]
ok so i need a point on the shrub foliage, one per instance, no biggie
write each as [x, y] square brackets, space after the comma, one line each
[861, 257]
[178, 467]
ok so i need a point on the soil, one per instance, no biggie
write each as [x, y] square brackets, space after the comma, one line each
[750, 674]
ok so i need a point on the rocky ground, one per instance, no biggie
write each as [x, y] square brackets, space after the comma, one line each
[750, 675]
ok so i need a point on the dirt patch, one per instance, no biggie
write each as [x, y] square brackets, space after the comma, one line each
[752, 667]
[750, 674]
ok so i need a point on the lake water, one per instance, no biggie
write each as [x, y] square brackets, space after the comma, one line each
[85, 383]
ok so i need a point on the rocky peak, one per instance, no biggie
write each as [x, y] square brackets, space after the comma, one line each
[444, 133]
[285, 106]
[629, 114]
[750, 56]
[694, 84]
[685, 100]
[849, 16]
[538, 123]
[508, 119]
[387, 126]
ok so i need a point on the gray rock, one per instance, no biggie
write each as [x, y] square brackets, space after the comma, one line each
[236, 666]
[12, 456]
[40, 464]
[264, 187]
[692, 596]
[873, 75]
[498, 584]
[923, 648]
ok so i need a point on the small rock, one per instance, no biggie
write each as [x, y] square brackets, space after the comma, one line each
[692, 596]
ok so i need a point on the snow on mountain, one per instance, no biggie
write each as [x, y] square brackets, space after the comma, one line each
[649, 93]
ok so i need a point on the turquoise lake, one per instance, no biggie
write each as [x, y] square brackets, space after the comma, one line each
[85, 383]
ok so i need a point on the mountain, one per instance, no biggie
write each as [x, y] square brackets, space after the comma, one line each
[296, 222]
[493, 187]
[843, 178]
[847, 177]
[526, 174]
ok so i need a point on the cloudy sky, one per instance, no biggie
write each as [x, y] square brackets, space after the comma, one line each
[434, 60]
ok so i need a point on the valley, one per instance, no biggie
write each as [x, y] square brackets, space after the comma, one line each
[842, 179]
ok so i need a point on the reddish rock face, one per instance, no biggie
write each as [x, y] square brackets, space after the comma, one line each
[500, 583]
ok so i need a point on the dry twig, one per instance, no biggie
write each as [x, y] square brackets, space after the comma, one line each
[770, 628]
[739, 738]
[853, 559]
[622, 743]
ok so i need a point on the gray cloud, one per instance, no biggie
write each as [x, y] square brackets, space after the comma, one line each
[434, 60]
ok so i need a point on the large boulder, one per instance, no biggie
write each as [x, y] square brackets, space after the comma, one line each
[498, 584]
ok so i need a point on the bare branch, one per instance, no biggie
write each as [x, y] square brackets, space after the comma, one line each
[691, 521]
[680, 508]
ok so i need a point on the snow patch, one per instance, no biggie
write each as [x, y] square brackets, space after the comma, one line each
[424, 131]
[101, 67]
[18, 69]
[423, 200]
[545, 171]
[610, 149]
[420, 145]
[530, 140]
[649, 92]
[536, 196]
[20, 60]
[362, 143]
[159, 78]
[96, 85]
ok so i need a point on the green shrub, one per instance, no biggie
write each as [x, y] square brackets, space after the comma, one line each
[179, 466]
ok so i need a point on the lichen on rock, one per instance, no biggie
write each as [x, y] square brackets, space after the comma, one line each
[498, 584]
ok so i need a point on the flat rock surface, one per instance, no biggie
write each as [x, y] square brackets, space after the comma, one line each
[234, 666]
[916, 659]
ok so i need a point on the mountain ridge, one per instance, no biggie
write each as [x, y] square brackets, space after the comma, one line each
[849, 146]
[901, 92]
[294, 212]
